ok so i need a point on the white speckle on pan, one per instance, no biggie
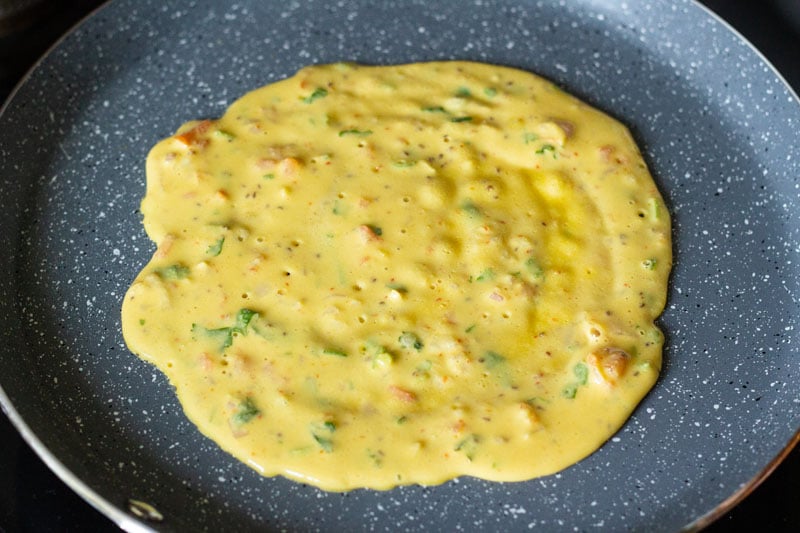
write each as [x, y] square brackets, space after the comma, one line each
[514, 510]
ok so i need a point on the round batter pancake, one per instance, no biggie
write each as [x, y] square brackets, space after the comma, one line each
[374, 276]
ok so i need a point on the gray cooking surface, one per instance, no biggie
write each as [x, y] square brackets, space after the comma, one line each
[719, 131]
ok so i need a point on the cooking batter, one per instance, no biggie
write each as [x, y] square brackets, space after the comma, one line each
[376, 276]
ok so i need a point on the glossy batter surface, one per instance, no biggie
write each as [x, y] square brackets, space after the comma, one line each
[374, 276]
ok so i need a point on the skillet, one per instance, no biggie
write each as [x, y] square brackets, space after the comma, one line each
[718, 128]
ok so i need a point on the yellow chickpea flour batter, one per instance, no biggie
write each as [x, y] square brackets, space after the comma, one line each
[375, 276]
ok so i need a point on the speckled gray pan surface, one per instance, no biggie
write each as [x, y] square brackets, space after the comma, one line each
[717, 127]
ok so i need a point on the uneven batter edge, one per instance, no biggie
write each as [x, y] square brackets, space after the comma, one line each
[377, 276]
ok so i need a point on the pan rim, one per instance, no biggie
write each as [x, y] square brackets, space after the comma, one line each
[92, 497]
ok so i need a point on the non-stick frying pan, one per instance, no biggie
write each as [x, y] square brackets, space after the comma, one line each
[718, 128]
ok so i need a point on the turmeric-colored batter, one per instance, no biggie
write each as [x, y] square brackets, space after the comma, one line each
[376, 276]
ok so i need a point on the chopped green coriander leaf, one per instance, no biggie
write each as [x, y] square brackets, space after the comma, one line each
[491, 92]
[461, 119]
[492, 359]
[377, 457]
[434, 109]
[402, 420]
[569, 391]
[225, 335]
[468, 446]
[463, 92]
[372, 347]
[529, 137]
[173, 272]
[358, 133]
[269, 176]
[325, 443]
[486, 275]
[533, 266]
[399, 287]
[409, 340]
[322, 434]
[581, 372]
[141, 322]
[654, 208]
[228, 136]
[404, 163]
[470, 329]
[375, 229]
[334, 351]
[470, 209]
[317, 94]
[547, 148]
[216, 248]
[328, 426]
[656, 335]
[537, 401]
[650, 264]
[243, 319]
[246, 411]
